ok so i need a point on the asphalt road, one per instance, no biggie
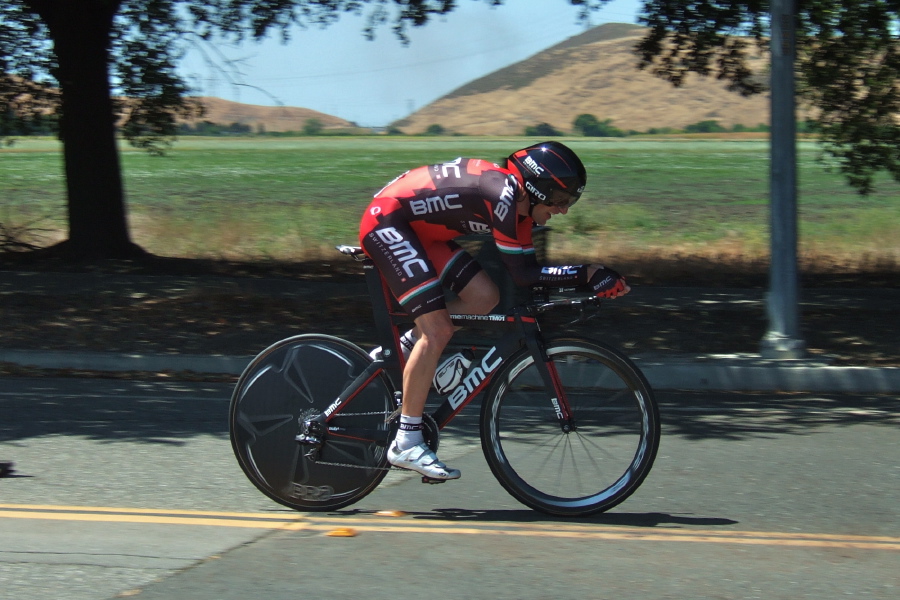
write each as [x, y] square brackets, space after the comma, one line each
[130, 489]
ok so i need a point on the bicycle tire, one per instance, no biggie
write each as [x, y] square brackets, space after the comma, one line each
[590, 469]
[293, 380]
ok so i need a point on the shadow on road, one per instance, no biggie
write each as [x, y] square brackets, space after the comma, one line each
[737, 416]
[171, 413]
[529, 516]
[106, 410]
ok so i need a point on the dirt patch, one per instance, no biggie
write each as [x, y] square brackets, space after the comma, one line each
[202, 315]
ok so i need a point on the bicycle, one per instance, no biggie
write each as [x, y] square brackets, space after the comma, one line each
[569, 426]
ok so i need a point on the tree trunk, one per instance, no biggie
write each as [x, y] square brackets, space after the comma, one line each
[81, 33]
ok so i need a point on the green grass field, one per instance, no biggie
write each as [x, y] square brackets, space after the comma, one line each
[295, 198]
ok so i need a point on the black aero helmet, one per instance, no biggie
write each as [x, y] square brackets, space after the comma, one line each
[552, 172]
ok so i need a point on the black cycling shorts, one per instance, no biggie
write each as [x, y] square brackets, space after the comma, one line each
[416, 259]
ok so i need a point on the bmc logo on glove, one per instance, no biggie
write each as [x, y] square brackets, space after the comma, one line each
[606, 283]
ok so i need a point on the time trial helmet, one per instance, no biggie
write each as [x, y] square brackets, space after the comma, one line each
[552, 173]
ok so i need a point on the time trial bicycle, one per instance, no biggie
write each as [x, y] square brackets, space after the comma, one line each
[569, 425]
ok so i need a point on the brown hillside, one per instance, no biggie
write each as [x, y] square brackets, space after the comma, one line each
[272, 118]
[592, 73]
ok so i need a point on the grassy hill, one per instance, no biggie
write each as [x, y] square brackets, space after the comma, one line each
[594, 72]
[270, 118]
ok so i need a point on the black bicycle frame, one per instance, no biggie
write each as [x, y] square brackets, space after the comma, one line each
[389, 317]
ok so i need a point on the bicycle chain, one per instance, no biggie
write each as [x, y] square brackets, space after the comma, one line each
[387, 416]
[334, 464]
[347, 465]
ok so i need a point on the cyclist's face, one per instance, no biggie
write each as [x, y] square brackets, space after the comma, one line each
[541, 213]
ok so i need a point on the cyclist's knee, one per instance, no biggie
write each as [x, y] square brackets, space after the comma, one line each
[435, 329]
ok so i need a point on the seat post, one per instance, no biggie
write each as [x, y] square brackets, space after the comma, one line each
[385, 324]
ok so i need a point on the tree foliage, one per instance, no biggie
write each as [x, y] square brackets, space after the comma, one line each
[145, 39]
[95, 66]
[848, 66]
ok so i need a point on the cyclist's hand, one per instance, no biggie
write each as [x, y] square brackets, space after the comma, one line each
[606, 283]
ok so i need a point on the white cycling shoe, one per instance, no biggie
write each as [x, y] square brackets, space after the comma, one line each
[421, 460]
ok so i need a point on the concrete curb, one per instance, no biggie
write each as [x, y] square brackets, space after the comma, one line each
[722, 373]
[751, 373]
[111, 362]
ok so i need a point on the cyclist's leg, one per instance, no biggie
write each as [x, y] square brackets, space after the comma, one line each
[435, 330]
[478, 297]
[476, 293]
[399, 254]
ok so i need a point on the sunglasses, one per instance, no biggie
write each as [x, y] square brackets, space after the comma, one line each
[562, 199]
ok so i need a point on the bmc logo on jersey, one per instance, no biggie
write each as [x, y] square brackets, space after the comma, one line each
[478, 227]
[507, 196]
[402, 250]
[433, 205]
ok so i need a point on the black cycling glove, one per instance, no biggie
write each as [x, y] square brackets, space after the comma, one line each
[606, 283]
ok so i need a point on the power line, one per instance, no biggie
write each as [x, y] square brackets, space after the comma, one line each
[556, 37]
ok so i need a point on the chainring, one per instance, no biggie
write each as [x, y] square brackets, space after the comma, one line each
[430, 430]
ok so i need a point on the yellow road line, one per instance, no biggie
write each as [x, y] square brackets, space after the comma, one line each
[307, 522]
[108, 518]
[148, 515]
[287, 514]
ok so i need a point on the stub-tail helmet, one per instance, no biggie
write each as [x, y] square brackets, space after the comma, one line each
[552, 173]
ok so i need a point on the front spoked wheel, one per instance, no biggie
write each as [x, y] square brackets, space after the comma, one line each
[292, 381]
[608, 452]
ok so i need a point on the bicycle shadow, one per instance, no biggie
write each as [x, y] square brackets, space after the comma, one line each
[623, 519]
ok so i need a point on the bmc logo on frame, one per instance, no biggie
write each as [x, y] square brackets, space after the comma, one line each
[477, 374]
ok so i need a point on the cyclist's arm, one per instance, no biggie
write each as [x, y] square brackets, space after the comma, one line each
[512, 234]
[519, 257]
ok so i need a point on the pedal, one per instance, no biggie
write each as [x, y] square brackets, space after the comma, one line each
[432, 480]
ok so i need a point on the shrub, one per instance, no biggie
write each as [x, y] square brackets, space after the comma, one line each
[312, 127]
[543, 130]
[589, 126]
[705, 127]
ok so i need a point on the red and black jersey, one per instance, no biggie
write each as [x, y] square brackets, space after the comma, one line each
[468, 196]
[408, 228]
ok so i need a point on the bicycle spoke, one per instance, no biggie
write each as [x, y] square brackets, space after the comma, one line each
[593, 467]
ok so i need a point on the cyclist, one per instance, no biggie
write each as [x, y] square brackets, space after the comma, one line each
[408, 232]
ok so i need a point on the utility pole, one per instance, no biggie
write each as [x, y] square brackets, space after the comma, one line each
[783, 340]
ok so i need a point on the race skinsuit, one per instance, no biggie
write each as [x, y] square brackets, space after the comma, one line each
[409, 227]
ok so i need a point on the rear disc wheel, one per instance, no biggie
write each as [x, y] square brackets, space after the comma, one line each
[290, 382]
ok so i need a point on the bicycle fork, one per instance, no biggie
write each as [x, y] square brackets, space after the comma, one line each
[547, 370]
